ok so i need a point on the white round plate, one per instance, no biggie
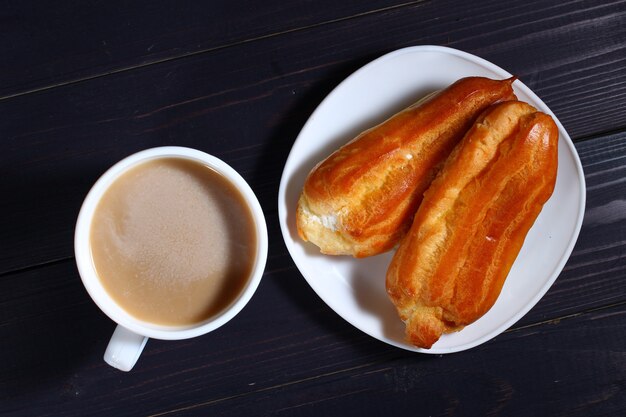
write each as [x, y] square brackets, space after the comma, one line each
[355, 288]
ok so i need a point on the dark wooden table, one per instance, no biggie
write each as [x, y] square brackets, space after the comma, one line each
[83, 84]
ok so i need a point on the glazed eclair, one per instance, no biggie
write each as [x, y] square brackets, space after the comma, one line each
[361, 199]
[450, 268]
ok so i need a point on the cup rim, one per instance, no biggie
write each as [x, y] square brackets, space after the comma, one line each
[97, 291]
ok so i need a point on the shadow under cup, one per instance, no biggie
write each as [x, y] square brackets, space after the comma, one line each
[132, 333]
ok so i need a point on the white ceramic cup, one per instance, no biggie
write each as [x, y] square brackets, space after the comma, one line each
[131, 334]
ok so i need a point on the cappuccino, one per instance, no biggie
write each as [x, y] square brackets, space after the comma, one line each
[173, 242]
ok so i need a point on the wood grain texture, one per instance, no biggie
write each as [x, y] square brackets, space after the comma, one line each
[61, 43]
[287, 353]
[481, 382]
[571, 53]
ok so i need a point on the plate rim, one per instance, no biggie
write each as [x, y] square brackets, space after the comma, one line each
[542, 106]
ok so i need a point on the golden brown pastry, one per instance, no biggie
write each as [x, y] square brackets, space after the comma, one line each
[450, 267]
[361, 199]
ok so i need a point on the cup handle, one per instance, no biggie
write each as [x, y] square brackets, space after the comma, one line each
[124, 349]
